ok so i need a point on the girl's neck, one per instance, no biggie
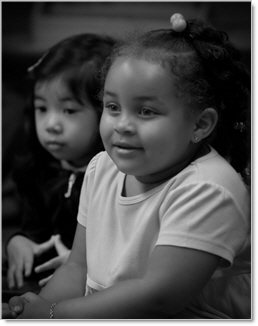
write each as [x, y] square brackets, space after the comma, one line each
[135, 185]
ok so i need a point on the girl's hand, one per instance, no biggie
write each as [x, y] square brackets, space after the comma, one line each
[63, 254]
[20, 260]
[7, 313]
[60, 247]
[51, 264]
[21, 252]
[35, 307]
[12, 309]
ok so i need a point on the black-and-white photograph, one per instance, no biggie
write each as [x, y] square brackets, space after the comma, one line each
[127, 160]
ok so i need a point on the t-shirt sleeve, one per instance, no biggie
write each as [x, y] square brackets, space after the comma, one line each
[86, 190]
[203, 216]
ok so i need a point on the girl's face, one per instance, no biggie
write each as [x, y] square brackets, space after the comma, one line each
[66, 128]
[145, 129]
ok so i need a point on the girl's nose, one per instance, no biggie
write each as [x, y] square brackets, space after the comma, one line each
[124, 124]
[53, 125]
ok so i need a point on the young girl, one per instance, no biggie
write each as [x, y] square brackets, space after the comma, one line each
[164, 221]
[62, 125]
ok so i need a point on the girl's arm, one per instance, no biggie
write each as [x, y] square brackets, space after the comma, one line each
[69, 280]
[174, 277]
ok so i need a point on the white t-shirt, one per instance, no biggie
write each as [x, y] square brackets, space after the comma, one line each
[205, 207]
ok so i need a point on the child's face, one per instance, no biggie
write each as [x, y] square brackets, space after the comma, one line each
[146, 130]
[66, 128]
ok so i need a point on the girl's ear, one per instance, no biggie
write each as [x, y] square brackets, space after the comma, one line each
[205, 124]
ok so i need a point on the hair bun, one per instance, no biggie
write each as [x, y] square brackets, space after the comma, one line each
[178, 22]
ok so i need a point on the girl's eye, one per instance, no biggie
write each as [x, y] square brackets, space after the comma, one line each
[147, 112]
[69, 111]
[41, 109]
[113, 108]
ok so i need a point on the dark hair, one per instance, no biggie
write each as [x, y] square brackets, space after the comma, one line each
[209, 73]
[77, 60]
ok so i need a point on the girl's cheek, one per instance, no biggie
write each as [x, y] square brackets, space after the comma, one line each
[104, 125]
[102, 129]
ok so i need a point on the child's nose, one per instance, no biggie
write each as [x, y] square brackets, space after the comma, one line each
[53, 124]
[124, 124]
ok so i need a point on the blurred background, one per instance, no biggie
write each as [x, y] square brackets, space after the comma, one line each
[30, 28]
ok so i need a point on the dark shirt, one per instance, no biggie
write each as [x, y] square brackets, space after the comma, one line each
[45, 209]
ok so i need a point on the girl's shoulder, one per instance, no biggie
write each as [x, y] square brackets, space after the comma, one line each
[101, 164]
[214, 172]
[215, 168]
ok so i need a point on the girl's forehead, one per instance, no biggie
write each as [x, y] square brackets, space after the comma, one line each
[56, 81]
[134, 79]
[132, 59]
[138, 70]
[54, 89]
[55, 85]
[132, 65]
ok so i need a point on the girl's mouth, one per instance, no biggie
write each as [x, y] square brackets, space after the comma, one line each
[124, 145]
[125, 148]
[54, 145]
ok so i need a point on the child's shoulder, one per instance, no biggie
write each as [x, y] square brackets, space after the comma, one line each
[213, 165]
[214, 169]
[102, 170]
[101, 162]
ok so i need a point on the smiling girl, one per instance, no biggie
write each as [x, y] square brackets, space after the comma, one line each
[164, 220]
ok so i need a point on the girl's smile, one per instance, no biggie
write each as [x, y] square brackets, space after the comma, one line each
[145, 128]
[124, 148]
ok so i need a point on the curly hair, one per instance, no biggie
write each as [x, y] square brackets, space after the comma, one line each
[209, 73]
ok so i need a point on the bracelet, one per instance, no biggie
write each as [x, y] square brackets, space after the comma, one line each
[52, 310]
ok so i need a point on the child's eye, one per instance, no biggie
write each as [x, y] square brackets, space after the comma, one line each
[146, 112]
[113, 108]
[41, 108]
[69, 111]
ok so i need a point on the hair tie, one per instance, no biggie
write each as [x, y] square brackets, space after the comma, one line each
[38, 62]
[178, 22]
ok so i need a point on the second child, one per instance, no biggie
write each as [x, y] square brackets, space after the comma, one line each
[62, 130]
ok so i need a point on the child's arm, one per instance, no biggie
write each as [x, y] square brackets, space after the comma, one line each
[174, 276]
[69, 280]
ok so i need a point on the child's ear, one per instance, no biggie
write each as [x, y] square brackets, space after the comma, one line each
[205, 124]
